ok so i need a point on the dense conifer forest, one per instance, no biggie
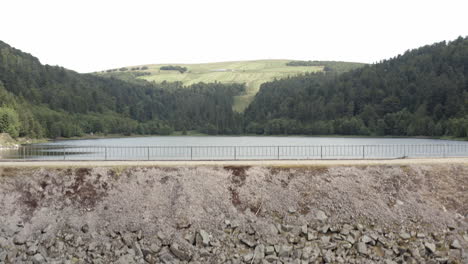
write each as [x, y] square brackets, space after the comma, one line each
[423, 92]
[47, 101]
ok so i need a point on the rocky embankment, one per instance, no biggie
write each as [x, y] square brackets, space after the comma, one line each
[375, 214]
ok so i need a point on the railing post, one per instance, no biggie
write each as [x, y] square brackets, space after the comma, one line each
[148, 152]
[321, 152]
[191, 153]
[63, 152]
[235, 154]
[105, 153]
[278, 152]
[445, 150]
[363, 152]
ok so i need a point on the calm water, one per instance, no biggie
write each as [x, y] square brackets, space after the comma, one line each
[247, 141]
[238, 148]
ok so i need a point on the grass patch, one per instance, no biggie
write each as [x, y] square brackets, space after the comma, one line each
[252, 73]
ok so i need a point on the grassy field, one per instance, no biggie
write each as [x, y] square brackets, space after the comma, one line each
[252, 73]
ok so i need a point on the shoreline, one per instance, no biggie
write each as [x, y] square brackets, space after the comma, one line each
[116, 136]
[240, 163]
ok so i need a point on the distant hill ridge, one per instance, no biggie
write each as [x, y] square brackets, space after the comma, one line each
[423, 92]
[252, 73]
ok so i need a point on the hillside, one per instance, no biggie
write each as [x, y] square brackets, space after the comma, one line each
[422, 92]
[49, 101]
[252, 73]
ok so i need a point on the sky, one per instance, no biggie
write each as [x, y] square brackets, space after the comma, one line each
[87, 36]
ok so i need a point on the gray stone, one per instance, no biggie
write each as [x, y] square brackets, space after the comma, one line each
[92, 246]
[366, 239]
[271, 258]
[69, 237]
[183, 223]
[405, 235]
[85, 228]
[166, 257]
[456, 244]
[126, 259]
[415, 253]
[325, 229]
[320, 215]
[420, 235]
[277, 248]
[32, 249]
[269, 250]
[311, 235]
[3, 256]
[347, 245]
[38, 259]
[127, 239]
[297, 253]
[272, 229]
[203, 238]
[248, 257]
[181, 252]
[286, 228]
[19, 239]
[362, 248]
[259, 252]
[328, 257]
[136, 247]
[430, 246]
[304, 229]
[306, 253]
[465, 237]
[325, 239]
[215, 243]
[4, 242]
[154, 248]
[350, 239]
[247, 241]
[284, 251]
[346, 229]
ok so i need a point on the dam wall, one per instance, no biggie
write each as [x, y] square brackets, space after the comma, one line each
[415, 213]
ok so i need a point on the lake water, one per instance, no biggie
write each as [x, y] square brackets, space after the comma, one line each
[248, 141]
[238, 148]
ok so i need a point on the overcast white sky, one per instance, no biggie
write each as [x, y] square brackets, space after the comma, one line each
[86, 35]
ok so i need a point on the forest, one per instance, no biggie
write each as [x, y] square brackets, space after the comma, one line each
[423, 92]
[48, 101]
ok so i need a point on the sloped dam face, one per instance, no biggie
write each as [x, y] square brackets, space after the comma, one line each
[349, 214]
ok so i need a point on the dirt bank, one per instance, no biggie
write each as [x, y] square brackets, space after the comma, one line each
[233, 214]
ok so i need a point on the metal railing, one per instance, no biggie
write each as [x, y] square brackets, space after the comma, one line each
[75, 152]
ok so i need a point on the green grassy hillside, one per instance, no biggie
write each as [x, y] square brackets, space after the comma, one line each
[252, 73]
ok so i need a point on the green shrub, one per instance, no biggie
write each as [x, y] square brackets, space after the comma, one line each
[9, 121]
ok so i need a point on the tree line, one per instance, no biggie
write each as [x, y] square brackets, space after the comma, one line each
[173, 68]
[423, 92]
[51, 101]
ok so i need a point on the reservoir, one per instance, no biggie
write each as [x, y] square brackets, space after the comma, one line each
[237, 148]
[248, 141]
